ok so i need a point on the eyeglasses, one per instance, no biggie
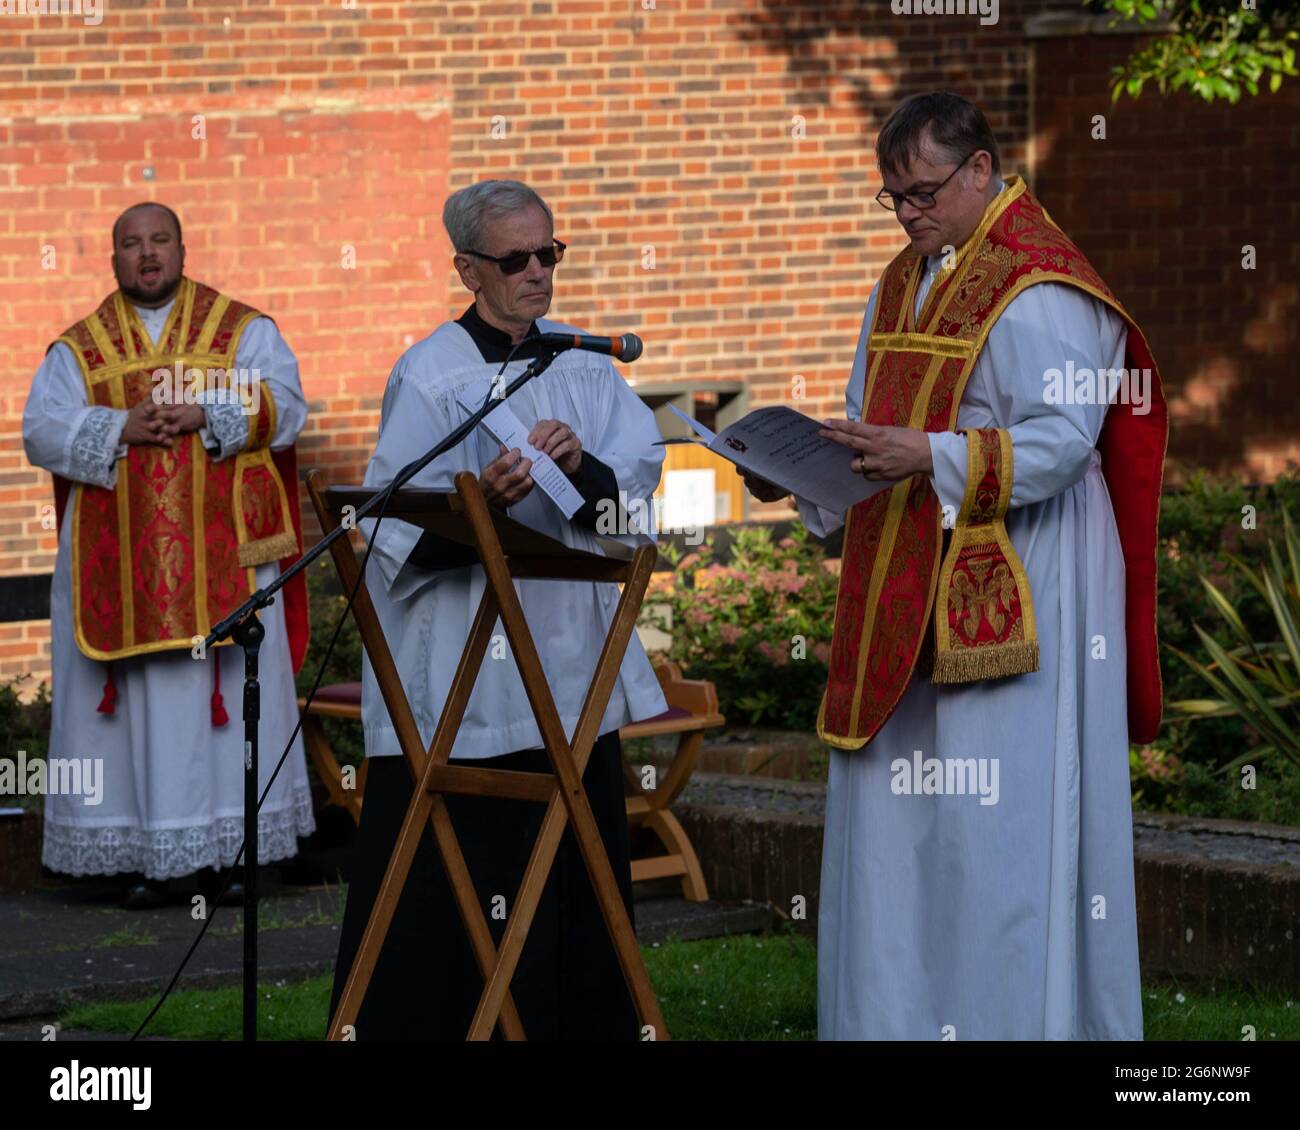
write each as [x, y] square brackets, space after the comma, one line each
[518, 261]
[895, 200]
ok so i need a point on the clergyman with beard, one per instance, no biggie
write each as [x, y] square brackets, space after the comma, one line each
[168, 417]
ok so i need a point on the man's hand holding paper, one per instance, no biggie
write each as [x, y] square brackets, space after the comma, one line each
[521, 465]
[883, 452]
[506, 481]
[762, 490]
[556, 439]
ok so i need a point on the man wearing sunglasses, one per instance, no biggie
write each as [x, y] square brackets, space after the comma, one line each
[996, 616]
[582, 414]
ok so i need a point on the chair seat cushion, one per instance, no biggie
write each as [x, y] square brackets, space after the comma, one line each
[343, 694]
[672, 714]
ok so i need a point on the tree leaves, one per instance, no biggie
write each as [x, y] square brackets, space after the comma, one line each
[1214, 49]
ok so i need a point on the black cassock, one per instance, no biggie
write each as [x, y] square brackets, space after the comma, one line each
[426, 985]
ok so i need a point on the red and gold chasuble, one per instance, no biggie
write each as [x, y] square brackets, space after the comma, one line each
[171, 549]
[895, 574]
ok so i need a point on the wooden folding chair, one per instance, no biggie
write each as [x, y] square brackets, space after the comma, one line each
[340, 700]
[506, 550]
[692, 709]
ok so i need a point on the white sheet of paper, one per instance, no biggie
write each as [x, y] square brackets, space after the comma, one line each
[505, 427]
[783, 446]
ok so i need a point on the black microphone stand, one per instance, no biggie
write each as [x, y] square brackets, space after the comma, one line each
[247, 631]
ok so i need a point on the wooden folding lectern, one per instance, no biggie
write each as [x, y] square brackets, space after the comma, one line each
[506, 549]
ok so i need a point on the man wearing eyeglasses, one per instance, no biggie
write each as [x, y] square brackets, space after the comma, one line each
[582, 414]
[994, 644]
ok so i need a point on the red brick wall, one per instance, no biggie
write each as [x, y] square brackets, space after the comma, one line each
[1163, 207]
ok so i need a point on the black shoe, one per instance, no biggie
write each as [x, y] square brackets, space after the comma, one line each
[210, 881]
[144, 894]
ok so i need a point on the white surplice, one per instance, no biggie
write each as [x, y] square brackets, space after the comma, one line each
[941, 917]
[173, 784]
[426, 614]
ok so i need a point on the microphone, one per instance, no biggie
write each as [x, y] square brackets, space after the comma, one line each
[626, 348]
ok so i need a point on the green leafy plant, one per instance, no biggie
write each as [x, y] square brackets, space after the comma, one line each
[1155, 775]
[1255, 680]
[1211, 48]
[24, 725]
[758, 625]
[1208, 516]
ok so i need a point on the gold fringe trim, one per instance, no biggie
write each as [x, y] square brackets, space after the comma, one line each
[264, 550]
[993, 661]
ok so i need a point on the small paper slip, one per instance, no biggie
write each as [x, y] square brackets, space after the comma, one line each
[506, 428]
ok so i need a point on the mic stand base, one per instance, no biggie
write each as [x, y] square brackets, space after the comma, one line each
[248, 634]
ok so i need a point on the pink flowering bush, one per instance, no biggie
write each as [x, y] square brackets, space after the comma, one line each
[758, 625]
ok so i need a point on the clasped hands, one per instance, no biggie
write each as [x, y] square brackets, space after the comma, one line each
[506, 480]
[149, 422]
[883, 452]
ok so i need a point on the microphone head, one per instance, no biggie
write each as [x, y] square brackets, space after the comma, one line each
[629, 347]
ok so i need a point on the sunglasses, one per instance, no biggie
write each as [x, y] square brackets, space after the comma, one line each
[518, 261]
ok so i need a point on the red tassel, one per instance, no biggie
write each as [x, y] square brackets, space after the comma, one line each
[219, 715]
[110, 692]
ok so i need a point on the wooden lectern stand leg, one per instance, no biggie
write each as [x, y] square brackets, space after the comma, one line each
[408, 734]
[569, 763]
[562, 790]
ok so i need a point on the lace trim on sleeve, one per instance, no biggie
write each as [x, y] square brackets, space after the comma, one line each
[93, 458]
[228, 425]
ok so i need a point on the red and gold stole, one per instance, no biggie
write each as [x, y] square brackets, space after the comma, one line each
[893, 562]
[170, 550]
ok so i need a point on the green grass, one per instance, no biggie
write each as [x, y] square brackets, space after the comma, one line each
[1201, 1011]
[271, 916]
[285, 1012]
[133, 934]
[737, 988]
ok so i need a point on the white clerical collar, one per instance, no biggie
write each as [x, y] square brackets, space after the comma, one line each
[154, 319]
[932, 262]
